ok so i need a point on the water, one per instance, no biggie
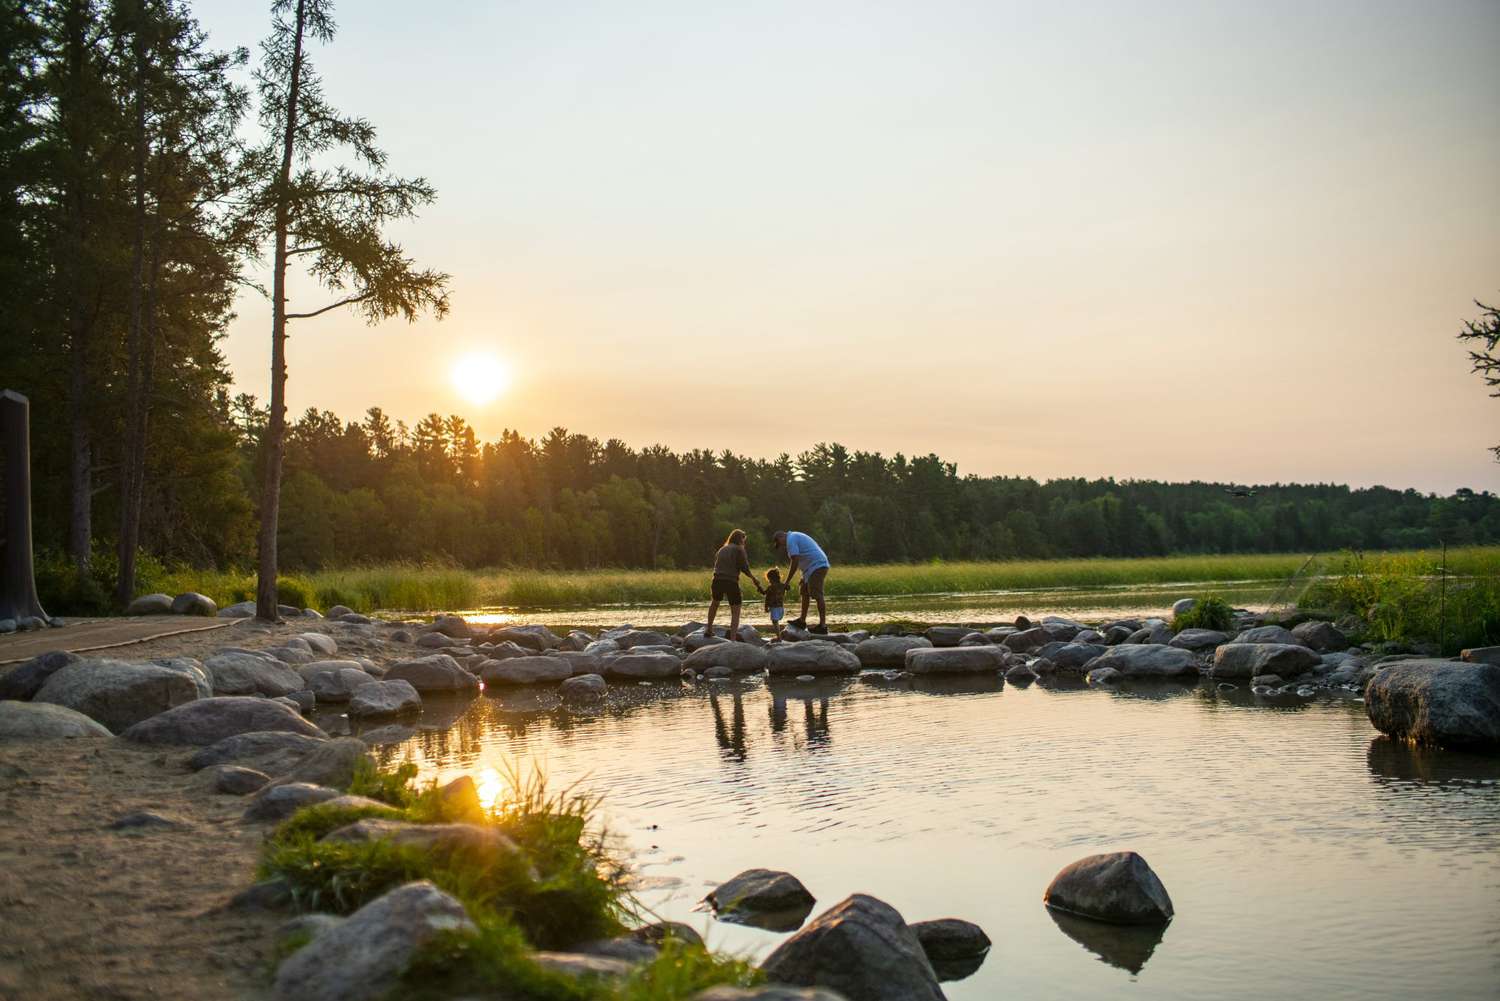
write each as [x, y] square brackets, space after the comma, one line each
[1306, 856]
[1092, 603]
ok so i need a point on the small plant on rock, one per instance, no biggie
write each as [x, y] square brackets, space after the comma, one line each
[1212, 612]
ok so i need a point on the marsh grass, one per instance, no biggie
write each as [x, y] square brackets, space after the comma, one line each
[1211, 612]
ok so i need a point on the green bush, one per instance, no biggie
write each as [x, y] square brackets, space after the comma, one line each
[1212, 612]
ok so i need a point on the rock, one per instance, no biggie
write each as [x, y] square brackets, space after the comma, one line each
[117, 693]
[1042, 667]
[643, 665]
[1092, 636]
[629, 638]
[435, 673]
[339, 611]
[537, 638]
[436, 641]
[307, 926]
[946, 636]
[43, 721]
[1155, 634]
[278, 802]
[1199, 639]
[321, 643]
[750, 636]
[333, 680]
[459, 800]
[1265, 680]
[311, 613]
[1115, 635]
[1474, 655]
[1072, 656]
[741, 658]
[144, 820]
[1104, 676]
[1444, 702]
[193, 670]
[1267, 634]
[576, 640]
[1021, 674]
[985, 659]
[771, 993]
[364, 956]
[270, 751]
[239, 610]
[205, 721]
[527, 670]
[581, 663]
[697, 641]
[602, 647]
[1152, 660]
[292, 654]
[760, 891]
[624, 947]
[332, 764]
[1118, 887]
[451, 625]
[1323, 637]
[1059, 628]
[234, 780]
[861, 948]
[482, 840]
[1183, 605]
[506, 650]
[811, 657]
[383, 698]
[582, 966]
[886, 652]
[1028, 639]
[193, 603]
[391, 733]
[1246, 660]
[950, 938]
[583, 687]
[233, 672]
[25, 681]
[355, 619]
[150, 604]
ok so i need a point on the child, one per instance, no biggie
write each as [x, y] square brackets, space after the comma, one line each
[775, 597]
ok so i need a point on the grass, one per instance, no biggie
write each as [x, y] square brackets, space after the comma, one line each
[1212, 612]
[558, 888]
[434, 588]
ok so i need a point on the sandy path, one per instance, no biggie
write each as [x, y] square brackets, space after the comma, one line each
[89, 912]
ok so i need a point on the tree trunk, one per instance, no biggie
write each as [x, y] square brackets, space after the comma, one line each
[80, 519]
[275, 440]
[132, 466]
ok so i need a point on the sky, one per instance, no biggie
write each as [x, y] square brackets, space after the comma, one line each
[1165, 240]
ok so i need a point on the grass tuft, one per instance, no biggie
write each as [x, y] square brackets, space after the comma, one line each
[1212, 612]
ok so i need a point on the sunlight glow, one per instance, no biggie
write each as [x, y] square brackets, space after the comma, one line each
[480, 377]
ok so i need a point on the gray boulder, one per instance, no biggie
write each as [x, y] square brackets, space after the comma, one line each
[576, 640]
[391, 733]
[505, 650]
[1183, 605]
[332, 763]
[239, 610]
[1029, 639]
[951, 938]
[1323, 637]
[383, 698]
[339, 611]
[438, 641]
[582, 687]
[270, 751]
[234, 672]
[946, 636]
[43, 721]
[985, 659]
[887, 652]
[1104, 676]
[1246, 660]
[193, 603]
[118, 693]
[235, 780]
[537, 638]
[602, 647]
[1156, 633]
[760, 890]
[193, 670]
[811, 657]
[206, 721]
[477, 839]
[643, 666]
[628, 638]
[1267, 634]
[580, 662]
[333, 680]
[451, 625]
[436, 673]
[25, 681]
[525, 670]
[861, 948]
[1152, 660]
[1072, 656]
[741, 658]
[274, 804]
[1444, 702]
[320, 643]
[1479, 655]
[1118, 887]
[1199, 639]
[150, 604]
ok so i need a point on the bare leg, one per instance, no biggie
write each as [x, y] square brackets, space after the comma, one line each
[822, 610]
[805, 598]
[734, 622]
[713, 609]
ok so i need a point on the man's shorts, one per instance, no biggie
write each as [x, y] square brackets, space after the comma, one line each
[814, 581]
[727, 590]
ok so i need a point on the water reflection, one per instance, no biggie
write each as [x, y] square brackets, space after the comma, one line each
[949, 970]
[1402, 762]
[1125, 946]
[777, 921]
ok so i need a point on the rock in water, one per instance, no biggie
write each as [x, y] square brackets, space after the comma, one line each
[771, 993]
[1071, 657]
[383, 698]
[437, 673]
[532, 670]
[1449, 703]
[760, 890]
[1246, 660]
[1118, 887]
[1323, 637]
[1146, 660]
[956, 660]
[1199, 639]
[951, 938]
[861, 948]
[1267, 634]
[584, 687]
[812, 657]
[205, 721]
[118, 693]
[43, 721]
[363, 956]
[643, 665]
[331, 763]
[741, 658]
[946, 636]
[539, 639]
[887, 652]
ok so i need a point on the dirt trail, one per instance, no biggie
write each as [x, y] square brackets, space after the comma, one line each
[90, 912]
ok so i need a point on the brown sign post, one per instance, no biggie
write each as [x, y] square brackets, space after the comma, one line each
[18, 598]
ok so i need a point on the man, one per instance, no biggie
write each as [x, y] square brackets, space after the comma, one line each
[807, 556]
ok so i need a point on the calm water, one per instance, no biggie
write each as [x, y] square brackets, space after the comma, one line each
[1305, 857]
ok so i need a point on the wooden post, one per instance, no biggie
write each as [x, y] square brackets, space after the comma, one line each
[18, 598]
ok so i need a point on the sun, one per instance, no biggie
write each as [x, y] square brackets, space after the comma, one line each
[480, 377]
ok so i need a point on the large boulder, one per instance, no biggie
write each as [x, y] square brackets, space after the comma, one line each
[1118, 887]
[118, 693]
[193, 670]
[364, 956]
[383, 698]
[239, 610]
[25, 681]
[887, 652]
[811, 657]
[1153, 632]
[332, 764]
[333, 680]
[242, 672]
[1146, 660]
[1445, 702]
[1072, 656]
[436, 673]
[861, 948]
[740, 658]
[533, 670]
[1199, 639]
[320, 643]
[580, 662]
[275, 803]
[1248, 660]
[956, 660]
[193, 603]
[583, 687]
[451, 625]
[272, 751]
[643, 666]
[484, 840]
[150, 604]
[1026, 640]
[206, 721]
[946, 636]
[44, 721]
[627, 639]
[1323, 637]
[505, 650]
[536, 638]
[1267, 634]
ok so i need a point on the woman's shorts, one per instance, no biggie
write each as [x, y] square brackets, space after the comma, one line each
[776, 614]
[727, 590]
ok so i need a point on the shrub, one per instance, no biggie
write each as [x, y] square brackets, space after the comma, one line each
[1212, 612]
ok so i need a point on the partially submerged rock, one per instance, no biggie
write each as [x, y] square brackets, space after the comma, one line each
[741, 658]
[532, 670]
[435, 673]
[886, 652]
[1246, 660]
[1118, 887]
[956, 660]
[760, 890]
[643, 666]
[861, 948]
[584, 687]
[811, 657]
[1146, 660]
[383, 698]
[1444, 702]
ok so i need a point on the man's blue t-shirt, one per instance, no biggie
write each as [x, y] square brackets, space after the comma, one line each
[810, 555]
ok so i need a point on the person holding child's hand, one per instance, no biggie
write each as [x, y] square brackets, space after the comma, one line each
[730, 561]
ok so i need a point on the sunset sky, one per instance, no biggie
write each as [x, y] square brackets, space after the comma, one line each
[1187, 240]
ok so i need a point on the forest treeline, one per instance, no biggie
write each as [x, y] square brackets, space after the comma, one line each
[132, 208]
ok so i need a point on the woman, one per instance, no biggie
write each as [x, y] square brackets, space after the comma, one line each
[729, 562]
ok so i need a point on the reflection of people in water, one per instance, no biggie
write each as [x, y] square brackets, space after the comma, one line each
[731, 738]
[815, 721]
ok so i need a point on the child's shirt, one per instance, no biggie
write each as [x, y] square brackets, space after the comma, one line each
[775, 595]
